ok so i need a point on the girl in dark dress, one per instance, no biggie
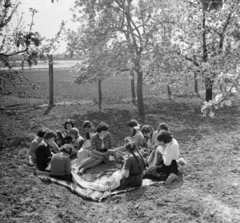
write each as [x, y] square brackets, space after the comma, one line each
[133, 168]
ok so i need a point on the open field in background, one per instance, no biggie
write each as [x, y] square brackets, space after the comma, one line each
[208, 190]
[57, 62]
[114, 89]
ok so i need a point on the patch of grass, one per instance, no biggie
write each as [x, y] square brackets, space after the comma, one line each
[114, 89]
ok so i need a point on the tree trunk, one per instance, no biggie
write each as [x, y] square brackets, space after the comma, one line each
[140, 93]
[208, 93]
[133, 87]
[196, 84]
[208, 82]
[169, 92]
[22, 63]
[51, 103]
[99, 93]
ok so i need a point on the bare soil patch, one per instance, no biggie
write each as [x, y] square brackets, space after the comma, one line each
[209, 190]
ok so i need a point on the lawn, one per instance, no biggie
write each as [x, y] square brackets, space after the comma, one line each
[208, 191]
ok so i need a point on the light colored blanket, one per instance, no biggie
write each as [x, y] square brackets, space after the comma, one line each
[97, 191]
[102, 184]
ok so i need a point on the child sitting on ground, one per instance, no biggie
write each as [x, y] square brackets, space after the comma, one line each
[132, 173]
[60, 139]
[77, 139]
[43, 152]
[67, 142]
[147, 132]
[61, 165]
[34, 145]
[89, 129]
[166, 159]
[102, 147]
[67, 126]
[137, 135]
[154, 156]
[85, 151]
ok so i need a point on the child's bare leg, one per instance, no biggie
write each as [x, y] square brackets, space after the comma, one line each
[86, 162]
[94, 163]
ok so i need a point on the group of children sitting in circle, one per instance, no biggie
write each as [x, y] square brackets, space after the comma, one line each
[147, 154]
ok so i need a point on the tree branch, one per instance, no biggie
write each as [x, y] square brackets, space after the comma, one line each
[12, 54]
[227, 23]
[124, 31]
[31, 24]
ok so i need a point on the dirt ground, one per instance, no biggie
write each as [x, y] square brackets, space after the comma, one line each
[208, 191]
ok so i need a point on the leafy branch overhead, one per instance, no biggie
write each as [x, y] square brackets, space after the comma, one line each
[19, 41]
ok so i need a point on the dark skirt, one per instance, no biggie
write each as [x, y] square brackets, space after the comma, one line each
[131, 181]
[161, 171]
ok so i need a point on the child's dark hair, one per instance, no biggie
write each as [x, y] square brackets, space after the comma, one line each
[147, 129]
[59, 136]
[87, 124]
[67, 150]
[74, 131]
[164, 136]
[50, 134]
[102, 127]
[132, 123]
[41, 133]
[131, 147]
[162, 126]
[67, 139]
[69, 121]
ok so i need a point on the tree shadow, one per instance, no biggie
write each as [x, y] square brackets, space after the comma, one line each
[185, 116]
[189, 114]
[116, 119]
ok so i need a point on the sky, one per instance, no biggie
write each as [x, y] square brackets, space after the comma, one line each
[49, 17]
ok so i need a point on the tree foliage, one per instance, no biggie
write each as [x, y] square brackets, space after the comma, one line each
[210, 40]
[20, 41]
[202, 41]
[166, 41]
[128, 29]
